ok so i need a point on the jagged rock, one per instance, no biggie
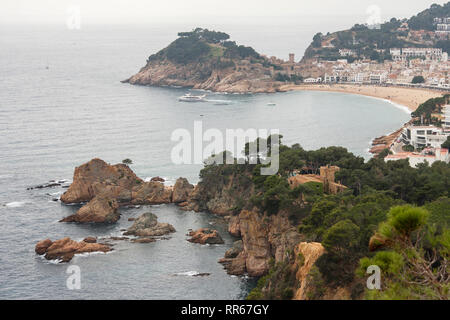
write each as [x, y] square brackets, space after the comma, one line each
[262, 238]
[147, 225]
[181, 190]
[42, 246]
[233, 227]
[151, 193]
[205, 236]
[131, 219]
[98, 210]
[157, 179]
[235, 250]
[234, 266]
[95, 177]
[99, 183]
[66, 248]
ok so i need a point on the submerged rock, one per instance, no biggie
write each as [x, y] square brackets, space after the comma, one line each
[205, 236]
[143, 240]
[50, 184]
[64, 249]
[157, 179]
[147, 225]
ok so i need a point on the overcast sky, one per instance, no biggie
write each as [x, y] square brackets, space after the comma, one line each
[142, 11]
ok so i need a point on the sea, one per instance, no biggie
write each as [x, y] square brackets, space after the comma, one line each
[62, 104]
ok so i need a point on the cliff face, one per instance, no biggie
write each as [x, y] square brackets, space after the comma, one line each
[306, 256]
[239, 79]
[263, 237]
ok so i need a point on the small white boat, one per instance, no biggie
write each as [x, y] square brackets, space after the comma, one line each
[191, 98]
[271, 104]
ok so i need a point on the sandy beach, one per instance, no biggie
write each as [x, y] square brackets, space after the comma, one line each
[409, 97]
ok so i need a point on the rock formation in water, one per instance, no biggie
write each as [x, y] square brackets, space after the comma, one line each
[205, 236]
[147, 225]
[101, 209]
[106, 187]
[204, 59]
[181, 190]
[65, 249]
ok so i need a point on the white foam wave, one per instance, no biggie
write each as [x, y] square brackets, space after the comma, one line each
[188, 273]
[15, 204]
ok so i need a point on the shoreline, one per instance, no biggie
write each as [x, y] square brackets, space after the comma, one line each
[410, 98]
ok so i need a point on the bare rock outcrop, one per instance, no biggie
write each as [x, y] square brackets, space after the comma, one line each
[181, 190]
[65, 249]
[147, 225]
[205, 236]
[106, 187]
[98, 210]
[151, 193]
[306, 256]
[95, 177]
[263, 238]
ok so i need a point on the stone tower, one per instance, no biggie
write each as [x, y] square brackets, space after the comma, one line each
[291, 57]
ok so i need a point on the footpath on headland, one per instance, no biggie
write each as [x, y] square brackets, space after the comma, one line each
[406, 96]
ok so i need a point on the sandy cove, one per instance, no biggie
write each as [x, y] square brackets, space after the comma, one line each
[409, 97]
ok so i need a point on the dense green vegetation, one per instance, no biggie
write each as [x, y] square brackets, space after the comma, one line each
[374, 43]
[203, 44]
[344, 223]
[418, 79]
[415, 248]
[426, 110]
[424, 20]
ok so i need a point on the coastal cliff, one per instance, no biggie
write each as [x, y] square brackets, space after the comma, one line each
[207, 60]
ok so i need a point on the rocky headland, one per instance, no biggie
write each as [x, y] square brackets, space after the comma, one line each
[207, 60]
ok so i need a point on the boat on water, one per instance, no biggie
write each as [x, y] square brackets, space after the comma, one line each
[271, 104]
[191, 98]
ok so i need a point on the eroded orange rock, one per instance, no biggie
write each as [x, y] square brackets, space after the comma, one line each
[205, 236]
[64, 249]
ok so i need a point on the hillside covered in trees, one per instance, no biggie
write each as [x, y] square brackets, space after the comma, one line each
[391, 215]
[374, 42]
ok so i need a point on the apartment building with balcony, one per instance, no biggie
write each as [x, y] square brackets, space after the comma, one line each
[424, 136]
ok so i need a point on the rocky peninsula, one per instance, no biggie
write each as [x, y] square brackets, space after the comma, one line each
[207, 60]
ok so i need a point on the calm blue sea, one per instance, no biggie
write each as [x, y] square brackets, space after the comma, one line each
[62, 103]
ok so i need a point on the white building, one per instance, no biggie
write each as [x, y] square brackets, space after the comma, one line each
[330, 78]
[424, 136]
[407, 53]
[429, 155]
[446, 117]
[313, 80]
[377, 78]
[347, 53]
